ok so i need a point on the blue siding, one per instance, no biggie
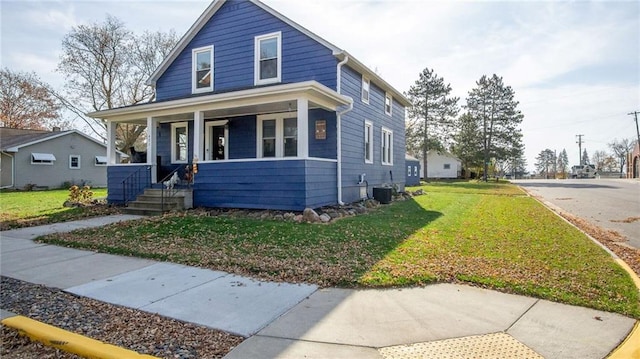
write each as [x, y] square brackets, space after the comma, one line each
[322, 148]
[140, 174]
[242, 137]
[232, 31]
[284, 185]
[353, 139]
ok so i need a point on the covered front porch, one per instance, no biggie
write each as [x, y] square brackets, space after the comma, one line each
[273, 147]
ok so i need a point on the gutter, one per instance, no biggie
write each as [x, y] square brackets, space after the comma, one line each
[339, 128]
[13, 171]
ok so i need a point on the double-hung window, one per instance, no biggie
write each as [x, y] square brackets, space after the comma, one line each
[388, 104]
[202, 72]
[387, 146]
[365, 89]
[74, 162]
[278, 135]
[268, 58]
[179, 142]
[368, 142]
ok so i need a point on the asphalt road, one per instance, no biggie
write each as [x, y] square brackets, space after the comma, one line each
[603, 202]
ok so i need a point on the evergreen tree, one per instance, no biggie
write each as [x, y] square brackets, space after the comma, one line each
[467, 144]
[563, 163]
[492, 105]
[545, 161]
[432, 108]
[585, 158]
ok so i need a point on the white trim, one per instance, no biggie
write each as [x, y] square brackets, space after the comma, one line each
[42, 158]
[256, 60]
[368, 125]
[100, 161]
[207, 141]
[279, 121]
[367, 82]
[387, 96]
[194, 69]
[274, 159]
[387, 138]
[313, 90]
[71, 157]
[174, 155]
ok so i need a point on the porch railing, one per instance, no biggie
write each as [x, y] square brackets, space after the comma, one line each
[135, 183]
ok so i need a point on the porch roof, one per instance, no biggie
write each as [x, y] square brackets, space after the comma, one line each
[276, 98]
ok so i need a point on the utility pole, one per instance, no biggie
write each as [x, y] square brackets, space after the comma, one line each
[635, 114]
[579, 148]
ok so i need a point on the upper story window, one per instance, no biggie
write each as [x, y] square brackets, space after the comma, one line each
[74, 162]
[268, 58]
[179, 142]
[388, 103]
[368, 142]
[278, 135]
[202, 69]
[365, 89]
[387, 146]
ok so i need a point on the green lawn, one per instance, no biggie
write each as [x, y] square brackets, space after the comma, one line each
[487, 234]
[26, 208]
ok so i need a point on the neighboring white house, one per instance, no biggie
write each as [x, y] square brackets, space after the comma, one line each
[51, 159]
[442, 165]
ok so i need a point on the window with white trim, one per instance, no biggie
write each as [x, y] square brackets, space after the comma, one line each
[447, 166]
[415, 171]
[179, 142]
[268, 58]
[368, 142]
[388, 104]
[277, 135]
[74, 162]
[101, 160]
[387, 146]
[366, 84]
[42, 158]
[202, 72]
[409, 171]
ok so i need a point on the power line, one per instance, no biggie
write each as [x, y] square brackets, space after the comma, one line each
[635, 114]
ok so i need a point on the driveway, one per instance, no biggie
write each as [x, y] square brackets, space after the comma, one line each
[608, 203]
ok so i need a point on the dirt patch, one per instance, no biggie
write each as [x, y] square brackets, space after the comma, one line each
[626, 220]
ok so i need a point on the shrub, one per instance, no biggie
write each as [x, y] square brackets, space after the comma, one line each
[80, 194]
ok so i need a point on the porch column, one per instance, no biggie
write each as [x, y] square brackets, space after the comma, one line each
[198, 135]
[152, 136]
[303, 127]
[111, 142]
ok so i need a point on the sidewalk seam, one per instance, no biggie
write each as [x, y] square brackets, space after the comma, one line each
[522, 315]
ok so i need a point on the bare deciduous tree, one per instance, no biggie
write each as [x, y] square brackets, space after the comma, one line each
[26, 103]
[621, 148]
[106, 66]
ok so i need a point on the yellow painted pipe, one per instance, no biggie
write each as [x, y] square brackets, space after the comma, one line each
[68, 341]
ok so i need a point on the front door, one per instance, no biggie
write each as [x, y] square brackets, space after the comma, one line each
[216, 143]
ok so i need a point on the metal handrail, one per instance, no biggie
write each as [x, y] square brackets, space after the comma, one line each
[172, 191]
[134, 182]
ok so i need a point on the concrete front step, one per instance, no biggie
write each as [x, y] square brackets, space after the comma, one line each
[151, 202]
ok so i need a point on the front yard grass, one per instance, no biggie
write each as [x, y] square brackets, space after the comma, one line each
[491, 235]
[29, 208]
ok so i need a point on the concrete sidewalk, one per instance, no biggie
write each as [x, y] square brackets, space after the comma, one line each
[290, 321]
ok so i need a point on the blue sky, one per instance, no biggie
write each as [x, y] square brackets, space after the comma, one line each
[574, 66]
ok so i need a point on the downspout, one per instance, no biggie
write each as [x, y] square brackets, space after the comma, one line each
[13, 171]
[339, 128]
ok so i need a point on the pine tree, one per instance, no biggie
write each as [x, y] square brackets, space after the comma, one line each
[432, 108]
[563, 163]
[492, 105]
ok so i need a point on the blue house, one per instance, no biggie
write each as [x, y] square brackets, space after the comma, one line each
[274, 116]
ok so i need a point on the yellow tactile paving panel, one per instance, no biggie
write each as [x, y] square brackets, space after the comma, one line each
[489, 346]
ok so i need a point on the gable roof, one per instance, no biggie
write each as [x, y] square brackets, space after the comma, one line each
[337, 52]
[12, 139]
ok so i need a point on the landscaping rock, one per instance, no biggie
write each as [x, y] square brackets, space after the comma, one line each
[310, 216]
[325, 218]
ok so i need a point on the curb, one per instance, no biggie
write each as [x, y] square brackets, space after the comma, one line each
[630, 346]
[68, 341]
